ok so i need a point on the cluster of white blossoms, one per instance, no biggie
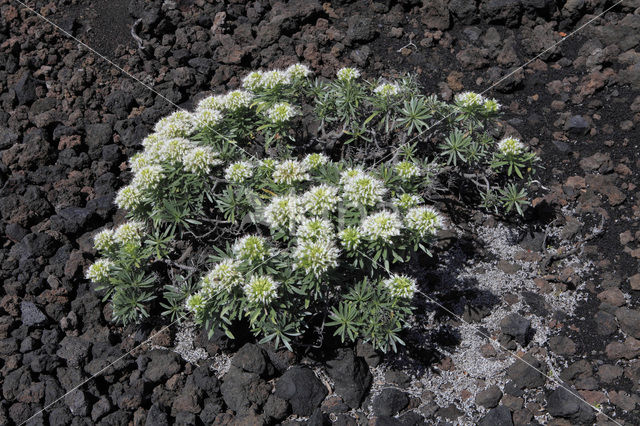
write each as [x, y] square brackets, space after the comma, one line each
[406, 201]
[206, 118]
[148, 177]
[320, 199]
[129, 233]
[201, 160]
[312, 161]
[100, 270]
[261, 80]
[381, 226]
[289, 171]
[252, 248]
[237, 99]
[284, 211]
[177, 125]
[400, 286]
[223, 277]
[128, 197]
[281, 112]
[316, 256]
[407, 170]
[511, 146]
[196, 303]
[423, 221]
[387, 90]
[350, 238]
[314, 229]
[261, 289]
[104, 240]
[212, 103]
[362, 188]
[347, 74]
[476, 100]
[238, 172]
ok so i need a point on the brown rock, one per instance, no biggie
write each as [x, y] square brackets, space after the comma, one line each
[634, 282]
[628, 350]
[612, 296]
[626, 237]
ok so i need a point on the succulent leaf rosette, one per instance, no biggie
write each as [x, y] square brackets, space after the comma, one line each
[232, 223]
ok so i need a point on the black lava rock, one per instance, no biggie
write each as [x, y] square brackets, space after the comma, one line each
[302, 389]
[158, 365]
[351, 376]
[253, 359]
[489, 397]
[499, 416]
[390, 402]
[562, 403]
[526, 374]
[517, 327]
[241, 390]
[30, 314]
[577, 125]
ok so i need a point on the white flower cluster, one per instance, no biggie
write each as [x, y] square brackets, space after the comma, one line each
[387, 90]
[129, 197]
[284, 211]
[223, 277]
[312, 161]
[196, 303]
[400, 286]
[407, 170]
[476, 100]
[423, 221]
[148, 177]
[129, 233]
[252, 248]
[314, 229]
[350, 238]
[281, 112]
[347, 75]
[381, 226]
[261, 289]
[212, 103]
[261, 80]
[316, 257]
[177, 125]
[320, 199]
[290, 171]
[511, 146]
[201, 160]
[207, 118]
[406, 201]
[239, 172]
[362, 188]
[237, 99]
[100, 270]
[104, 240]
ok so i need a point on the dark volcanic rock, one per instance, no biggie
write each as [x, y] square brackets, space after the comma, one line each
[302, 389]
[253, 359]
[242, 390]
[499, 416]
[390, 402]
[562, 403]
[158, 365]
[490, 397]
[517, 327]
[629, 320]
[30, 314]
[351, 376]
[525, 374]
[577, 125]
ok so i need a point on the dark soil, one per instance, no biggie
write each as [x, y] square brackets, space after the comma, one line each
[69, 120]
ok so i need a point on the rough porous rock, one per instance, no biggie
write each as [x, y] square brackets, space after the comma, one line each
[300, 387]
[351, 376]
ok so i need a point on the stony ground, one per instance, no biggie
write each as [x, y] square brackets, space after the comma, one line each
[560, 289]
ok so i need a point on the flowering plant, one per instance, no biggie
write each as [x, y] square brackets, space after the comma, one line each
[232, 223]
